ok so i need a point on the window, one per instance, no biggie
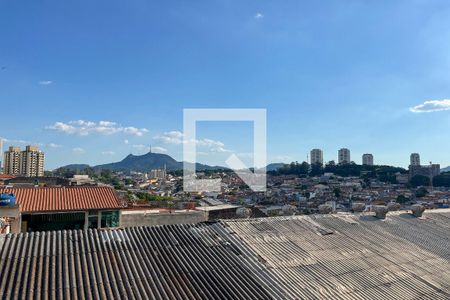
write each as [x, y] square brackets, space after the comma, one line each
[110, 219]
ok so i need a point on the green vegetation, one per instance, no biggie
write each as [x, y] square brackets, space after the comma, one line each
[419, 180]
[294, 168]
[337, 192]
[442, 180]
[149, 197]
[402, 199]
[382, 173]
[421, 192]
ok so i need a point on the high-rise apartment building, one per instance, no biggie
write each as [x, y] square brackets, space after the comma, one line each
[367, 159]
[344, 156]
[415, 159]
[11, 161]
[29, 163]
[32, 162]
[157, 174]
[316, 156]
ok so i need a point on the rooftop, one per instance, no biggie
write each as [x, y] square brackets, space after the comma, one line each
[339, 256]
[45, 199]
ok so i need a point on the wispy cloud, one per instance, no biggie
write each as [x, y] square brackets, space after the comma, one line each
[53, 145]
[158, 149]
[126, 142]
[145, 148]
[108, 152]
[171, 137]
[259, 16]
[84, 128]
[45, 82]
[177, 138]
[78, 150]
[25, 142]
[431, 106]
[141, 148]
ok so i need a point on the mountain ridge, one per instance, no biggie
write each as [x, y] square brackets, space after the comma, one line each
[141, 163]
[149, 161]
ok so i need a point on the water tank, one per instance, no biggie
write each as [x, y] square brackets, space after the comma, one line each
[7, 199]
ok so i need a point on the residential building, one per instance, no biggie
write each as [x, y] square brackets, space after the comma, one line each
[28, 163]
[63, 208]
[32, 162]
[157, 174]
[367, 159]
[415, 159]
[316, 156]
[11, 161]
[344, 156]
[429, 171]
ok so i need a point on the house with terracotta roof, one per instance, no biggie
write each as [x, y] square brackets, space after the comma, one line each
[61, 208]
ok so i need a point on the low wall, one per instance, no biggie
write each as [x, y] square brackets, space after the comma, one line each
[131, 218]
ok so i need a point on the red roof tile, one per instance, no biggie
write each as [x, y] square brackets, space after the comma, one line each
[40, 199]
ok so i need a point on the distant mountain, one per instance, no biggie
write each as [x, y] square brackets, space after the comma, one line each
[142, 163]
[445, 169]
[274, 166]
[75, 167]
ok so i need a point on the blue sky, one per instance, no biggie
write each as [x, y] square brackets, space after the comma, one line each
[331, 74]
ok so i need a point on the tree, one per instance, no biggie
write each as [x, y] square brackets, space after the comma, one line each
[419, 180]
[337, 192]
[316, 169]
[402, 199]
[421, 192]
[442, 180]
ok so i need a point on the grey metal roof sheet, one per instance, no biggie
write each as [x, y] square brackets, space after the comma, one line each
[161, 262]
[300, 257]
[401, 257]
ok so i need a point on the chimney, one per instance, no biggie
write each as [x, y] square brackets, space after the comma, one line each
[392, 206]
[325, 209]
[358, 206]
[417, 210]
[380, 211]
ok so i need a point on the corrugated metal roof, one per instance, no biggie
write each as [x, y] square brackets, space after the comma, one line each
[162, 262]
[359, 257]
[402, 257]
[41, 199]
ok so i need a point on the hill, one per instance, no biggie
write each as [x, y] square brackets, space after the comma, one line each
[274, 166]
[445, 169]
[141, 163]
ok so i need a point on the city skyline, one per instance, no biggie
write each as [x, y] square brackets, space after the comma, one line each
[97, 88]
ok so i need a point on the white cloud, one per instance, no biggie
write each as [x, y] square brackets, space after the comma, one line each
[25, 142]
[141, 148]
[84, 128]
[176, 138]
[126, 142]
[171, 137]
[259, 16]
[45, 82]
[159, 149]
[78, 150]
[53, 145]
[108, 153]
[431, 106]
